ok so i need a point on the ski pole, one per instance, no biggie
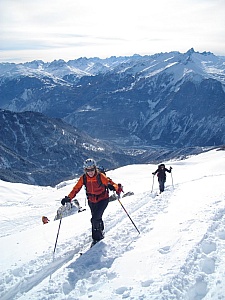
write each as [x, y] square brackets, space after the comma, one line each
[172, 179]
[128, 215]
[152, 183]
[57, 235]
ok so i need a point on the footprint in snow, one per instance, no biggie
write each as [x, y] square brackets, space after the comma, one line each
[164, 250]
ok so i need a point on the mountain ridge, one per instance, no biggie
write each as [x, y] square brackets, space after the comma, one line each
[171, 101]
[128, 95]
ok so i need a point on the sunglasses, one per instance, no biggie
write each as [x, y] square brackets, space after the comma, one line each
[90, 170]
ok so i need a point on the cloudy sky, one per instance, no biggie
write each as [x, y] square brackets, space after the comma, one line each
[69, 29]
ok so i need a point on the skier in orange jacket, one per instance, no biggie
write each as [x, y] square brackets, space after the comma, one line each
[97, 185]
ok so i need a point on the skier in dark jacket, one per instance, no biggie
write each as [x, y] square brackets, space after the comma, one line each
[161, 173]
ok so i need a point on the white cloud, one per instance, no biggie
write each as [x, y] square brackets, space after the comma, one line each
[104, 28]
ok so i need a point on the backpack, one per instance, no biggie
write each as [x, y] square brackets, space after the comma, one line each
[101, 169]
[108, 187]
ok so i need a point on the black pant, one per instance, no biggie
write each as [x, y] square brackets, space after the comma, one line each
[97, 210]
[161, 184]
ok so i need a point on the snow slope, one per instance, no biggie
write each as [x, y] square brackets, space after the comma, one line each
[179, 253]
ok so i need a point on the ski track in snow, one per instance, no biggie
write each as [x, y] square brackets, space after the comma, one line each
[85, 274]
[71, 258]
[200, 262]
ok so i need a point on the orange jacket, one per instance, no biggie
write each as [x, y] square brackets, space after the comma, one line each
[94, 191]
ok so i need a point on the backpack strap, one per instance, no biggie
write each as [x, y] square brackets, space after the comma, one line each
[99, 179]
[85, 180]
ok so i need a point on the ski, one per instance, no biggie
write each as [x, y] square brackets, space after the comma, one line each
[128, 194]
[81, 209]
[114, 197]
[85, 250]
[89, 247]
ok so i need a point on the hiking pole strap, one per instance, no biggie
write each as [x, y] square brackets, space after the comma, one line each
[128, 215]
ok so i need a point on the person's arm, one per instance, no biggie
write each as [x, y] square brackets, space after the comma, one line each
[74, 191]
[76, 188]
[153, 173]
[106, 180]
[169, 171]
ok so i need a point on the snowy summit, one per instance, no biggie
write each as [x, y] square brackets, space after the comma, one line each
[179, 253]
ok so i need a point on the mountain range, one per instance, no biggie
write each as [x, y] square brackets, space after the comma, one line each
[167, 101]
[36, 149]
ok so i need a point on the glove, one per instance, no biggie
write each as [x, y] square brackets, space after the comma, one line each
[171, 168]
[111, 187]
[65, 200]
[153, 173]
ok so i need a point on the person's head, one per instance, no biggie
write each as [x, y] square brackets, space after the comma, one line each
[119, 185]
[90, 167]
[162, 166]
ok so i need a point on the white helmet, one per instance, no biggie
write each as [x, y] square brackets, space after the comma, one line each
[89, 163]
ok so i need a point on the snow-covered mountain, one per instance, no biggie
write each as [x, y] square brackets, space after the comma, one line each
[36, 149]
[179, 253]
[39, 150]
[170, 98]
